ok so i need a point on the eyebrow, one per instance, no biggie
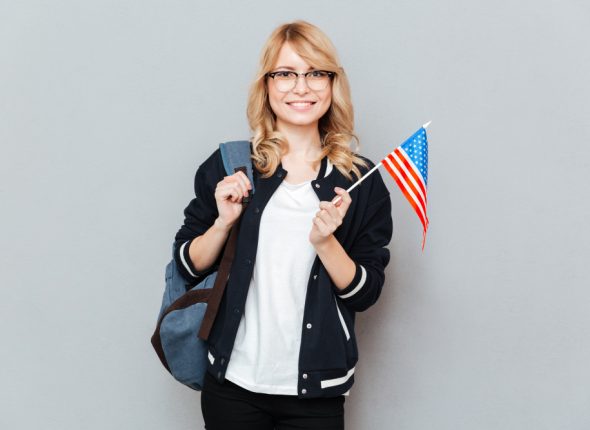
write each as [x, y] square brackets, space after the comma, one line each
[292, 68]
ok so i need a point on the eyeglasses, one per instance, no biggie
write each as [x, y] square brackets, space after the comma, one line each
[286, 80]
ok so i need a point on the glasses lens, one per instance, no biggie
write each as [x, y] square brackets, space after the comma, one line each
[317, 80]
[285, 81]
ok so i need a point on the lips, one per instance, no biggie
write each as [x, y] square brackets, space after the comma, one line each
[301, 104]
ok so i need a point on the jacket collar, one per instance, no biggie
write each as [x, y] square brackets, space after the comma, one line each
[323, 185]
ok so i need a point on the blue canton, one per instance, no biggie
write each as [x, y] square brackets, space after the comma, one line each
[417, 149]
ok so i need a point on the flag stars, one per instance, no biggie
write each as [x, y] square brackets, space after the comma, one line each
[417, 149]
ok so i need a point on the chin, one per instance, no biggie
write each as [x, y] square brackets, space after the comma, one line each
[299, 120]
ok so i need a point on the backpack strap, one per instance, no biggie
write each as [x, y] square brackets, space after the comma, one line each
[236, 156]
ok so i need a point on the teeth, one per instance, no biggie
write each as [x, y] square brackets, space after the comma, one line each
[301, 104]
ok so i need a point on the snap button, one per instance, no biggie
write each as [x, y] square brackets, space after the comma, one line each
[256, 210]
[317, 185]
[280, 175]
[218, 375]
[304, 391]
[308, 325]
[305, 376]
[248, 261]
[315, 276]
[222, 361]
[236, 311]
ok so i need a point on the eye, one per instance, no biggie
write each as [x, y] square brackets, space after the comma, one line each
[283, 74]
[318, 74]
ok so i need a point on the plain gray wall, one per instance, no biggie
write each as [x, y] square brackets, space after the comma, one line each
[108, 107]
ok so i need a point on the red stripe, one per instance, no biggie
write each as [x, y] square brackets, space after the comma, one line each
[403, 188]
[409, 198]
[413, 203]
[412, 170]
[389, 169]
[409, 183]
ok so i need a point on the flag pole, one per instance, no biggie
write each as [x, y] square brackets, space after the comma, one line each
[336, 201]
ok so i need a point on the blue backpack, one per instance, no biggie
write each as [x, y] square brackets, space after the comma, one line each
[186, 317]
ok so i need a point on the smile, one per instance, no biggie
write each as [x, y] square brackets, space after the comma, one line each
[301, 105]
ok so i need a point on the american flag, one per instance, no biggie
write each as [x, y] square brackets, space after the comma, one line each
[408, 165]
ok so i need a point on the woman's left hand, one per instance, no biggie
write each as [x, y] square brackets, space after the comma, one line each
[329, 217]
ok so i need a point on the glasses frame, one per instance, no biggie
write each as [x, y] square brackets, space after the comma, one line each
[298, 75]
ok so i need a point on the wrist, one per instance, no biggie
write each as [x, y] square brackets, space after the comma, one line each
[222, 226]
[324, 245]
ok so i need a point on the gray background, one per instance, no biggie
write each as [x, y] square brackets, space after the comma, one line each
[107, 108]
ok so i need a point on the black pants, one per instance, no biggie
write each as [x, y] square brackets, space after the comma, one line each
[228, 406]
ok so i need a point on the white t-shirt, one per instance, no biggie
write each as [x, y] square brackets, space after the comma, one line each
[265, 357]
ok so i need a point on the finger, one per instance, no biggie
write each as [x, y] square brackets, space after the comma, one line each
[345, 199]
[321, 226]
[229, 191]
[230, 195]
[332, 210]
[321, 213]
[331, 216]
[343, 194]
[330, 223]
[237, 181]
[238, 178]
[243, 180]
[337, 201]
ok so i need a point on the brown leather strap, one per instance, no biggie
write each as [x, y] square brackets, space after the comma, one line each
[220, 282]
[184, 301]
[212, 296]
[222, 275]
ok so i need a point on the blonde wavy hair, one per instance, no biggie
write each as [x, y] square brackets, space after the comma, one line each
[335, 126]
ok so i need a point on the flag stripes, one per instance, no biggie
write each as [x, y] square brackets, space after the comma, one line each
[407, 189]
[415, 174]
[410, 181]
[417, 193]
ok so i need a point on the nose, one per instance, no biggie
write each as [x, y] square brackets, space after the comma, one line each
[300, 85]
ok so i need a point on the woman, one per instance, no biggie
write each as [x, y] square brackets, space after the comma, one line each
[282, 350]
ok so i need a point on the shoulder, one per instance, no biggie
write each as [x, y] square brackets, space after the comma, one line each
[213, 162]
[374, 182]
[212, 170]
[369, 164]
[209, 172]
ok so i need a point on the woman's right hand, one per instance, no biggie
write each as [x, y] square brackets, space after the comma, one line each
[228, 196]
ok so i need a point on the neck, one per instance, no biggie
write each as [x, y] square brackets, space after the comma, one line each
[303, 141]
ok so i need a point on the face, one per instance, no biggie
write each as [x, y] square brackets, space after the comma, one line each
[301, 106]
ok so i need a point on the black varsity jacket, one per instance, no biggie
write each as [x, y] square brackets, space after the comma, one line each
[328, 352]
